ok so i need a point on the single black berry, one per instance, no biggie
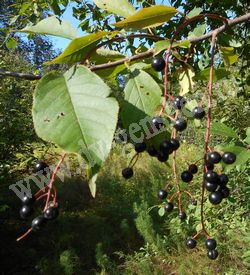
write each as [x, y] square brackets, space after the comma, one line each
[180, 124]
[209, 165]
[38, 222]
[210, 244]
[162, 157]
[191, 243]
[162, 194]
[25, 211]
[211, 187]
[223, 179]
[168, 207]
[182, 215]
[175, 144]
[140, 147]
[215, 197]
[51, 213]
[186, 176]
[211, 176]
[229, 157]
[212, 254]
[198, 112]
[28, 200]
[165, 146]
[127, 173]
[152, 151]
[214, 157]
[41, 167]
[225, 191]
[158, 63]
[157, 122]
[179, 102]
[193, 168]
[194, 202]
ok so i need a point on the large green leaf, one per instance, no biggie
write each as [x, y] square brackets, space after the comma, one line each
[104, 55]
[219, 128]
[164, 45]
[121, 7]
[52, 26]
[148, 17]
[142, 98]
[78, 48]
[217, 74]
[75, 111]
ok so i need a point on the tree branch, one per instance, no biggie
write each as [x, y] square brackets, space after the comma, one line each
[230, 23]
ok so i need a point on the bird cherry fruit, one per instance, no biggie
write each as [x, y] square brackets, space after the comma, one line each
[229, 157]
[127, 173]
[158, 63]
[191, 243]
[180, 124]
[198, 113]
[162, 194]
[186, 176]
[25, 211]
[211, 176]
[51, 213]
[210, 244]
[193, 168]
[168, 207]
[140, 147]
[215, 197]
[37, 223]
[179, 102]
[214, 157]
[212, 254]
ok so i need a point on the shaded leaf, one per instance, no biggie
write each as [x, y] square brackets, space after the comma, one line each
[219, 128]
[121, 7]
[163, 45]
[75, 112]
[148, 17]
[198, 31]
[228, 55]
[217, 74]
[52, 26]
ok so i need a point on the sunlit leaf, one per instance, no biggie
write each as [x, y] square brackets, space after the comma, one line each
[228, 55]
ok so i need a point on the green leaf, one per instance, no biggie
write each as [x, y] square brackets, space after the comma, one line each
[228, 55]
[142, 98]
[194, 12]
[217, 74]
[75, 112]
[198, 31]
[121, 7]
[148, 17]
[219, 128]
[247, 139]
[12, 43]
[104, 55]
[163, 45]
[52, 26]
[78, 48]
[161, 211]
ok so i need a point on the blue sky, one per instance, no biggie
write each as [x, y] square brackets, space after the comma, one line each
[61, 43]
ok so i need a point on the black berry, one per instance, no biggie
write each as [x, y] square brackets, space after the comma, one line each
[127, 173]
[210, 244]
[191, 243]
[168, 207]
[194, 202]
[157, 122]
[179, 102]
[25, 211]
[215, 197]
[41, 167]
[158, 63]
[223, 179]
[140, 147]
[175, 144]
[225, 191]
[214, 157]
[212, 254]
[198, 112]
[180, 124]
[182, 215]
[162, 194]
[51, 213]
[162, 157]
[229, 157]
[38, 222]
[193, 168]
[211, 187]
[152, 151]
[28, 200]
[211, 176]
[186, 176]
[165, 146]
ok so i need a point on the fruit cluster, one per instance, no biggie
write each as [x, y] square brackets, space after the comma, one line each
[216, 183]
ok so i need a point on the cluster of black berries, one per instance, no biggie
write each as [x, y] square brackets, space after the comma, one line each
[187, 175]
[28, 203]
[214, 183]
[166, 148]
[210, 245]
